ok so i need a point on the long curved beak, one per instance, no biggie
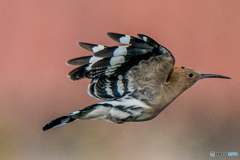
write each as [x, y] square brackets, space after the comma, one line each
[213, 76]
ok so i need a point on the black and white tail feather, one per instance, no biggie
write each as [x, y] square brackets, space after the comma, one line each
[109, 68]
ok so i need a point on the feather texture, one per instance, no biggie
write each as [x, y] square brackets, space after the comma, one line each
[124, 76]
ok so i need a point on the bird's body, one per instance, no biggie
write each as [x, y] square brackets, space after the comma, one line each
[136, 81]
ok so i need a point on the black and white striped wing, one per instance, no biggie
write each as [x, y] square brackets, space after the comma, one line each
[108, 66]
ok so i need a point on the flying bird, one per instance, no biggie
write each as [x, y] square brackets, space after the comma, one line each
[136, 80]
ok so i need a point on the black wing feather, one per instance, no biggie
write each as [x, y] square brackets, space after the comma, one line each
[108, 66]
[90, 47]
[79, 61]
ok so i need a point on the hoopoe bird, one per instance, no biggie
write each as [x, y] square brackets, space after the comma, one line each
[137, 80]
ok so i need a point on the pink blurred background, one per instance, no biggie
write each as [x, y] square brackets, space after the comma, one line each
[38, 37]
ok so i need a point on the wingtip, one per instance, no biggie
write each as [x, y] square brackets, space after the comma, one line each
[110, 33]
[115, 36]
[72, 78]
[46, 127]
[84, 45]
[81, 44]
[67, 63]
[140, 35]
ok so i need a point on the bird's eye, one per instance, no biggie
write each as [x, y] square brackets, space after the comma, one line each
[190, 75]
[182, 67]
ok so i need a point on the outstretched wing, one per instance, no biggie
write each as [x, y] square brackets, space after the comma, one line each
[108, 67]
[129, 77]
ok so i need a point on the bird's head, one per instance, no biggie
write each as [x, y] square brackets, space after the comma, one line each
[187, 77]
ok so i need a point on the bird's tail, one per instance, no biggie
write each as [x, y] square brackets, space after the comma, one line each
[96, 111]
[117, 111]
